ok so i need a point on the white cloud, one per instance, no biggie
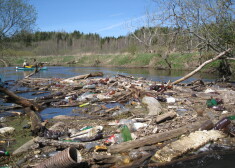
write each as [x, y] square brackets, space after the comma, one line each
[121, 24]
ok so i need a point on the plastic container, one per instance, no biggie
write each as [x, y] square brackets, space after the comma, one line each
[115, 138]
[138, 125]
[49, 134]
[222, 124]
[170, 100]
[3, 152]
[211, 102]
[218, 108]
[208, 125]
[93, 86]
[126, 135]
[231, 117]
[161, 99]
[121, 111]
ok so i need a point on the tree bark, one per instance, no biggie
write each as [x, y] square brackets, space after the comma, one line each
[200, 67]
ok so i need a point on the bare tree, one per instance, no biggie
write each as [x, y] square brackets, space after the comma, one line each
[209, 23]
[15, 16]
[144, 33]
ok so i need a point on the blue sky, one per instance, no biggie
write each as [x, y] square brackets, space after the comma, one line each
[105, 17]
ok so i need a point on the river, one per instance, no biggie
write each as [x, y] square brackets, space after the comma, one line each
[9, 73]
[210, 161]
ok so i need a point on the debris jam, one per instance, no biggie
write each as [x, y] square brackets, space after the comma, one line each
[120, 121]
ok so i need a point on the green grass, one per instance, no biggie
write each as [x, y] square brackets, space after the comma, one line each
[143, 59]
[20, 135]
[120, 60]
[178, 60]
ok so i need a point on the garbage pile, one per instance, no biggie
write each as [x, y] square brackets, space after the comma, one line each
[127, 122]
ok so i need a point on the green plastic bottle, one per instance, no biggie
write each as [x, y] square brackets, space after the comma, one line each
[4, 153]
[211, 103]
[231, 117]
[126, 135]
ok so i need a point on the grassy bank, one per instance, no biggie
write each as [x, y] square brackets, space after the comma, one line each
[177, 61]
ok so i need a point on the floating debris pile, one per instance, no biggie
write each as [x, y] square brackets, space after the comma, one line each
[127, 121]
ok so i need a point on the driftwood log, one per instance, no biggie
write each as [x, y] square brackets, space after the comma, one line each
[19, 100]
[96, 74]
[36, 70]
[36, 120]
[58, 144]
[155, 138]
[200, 67]
[166, 116]
[30, 108]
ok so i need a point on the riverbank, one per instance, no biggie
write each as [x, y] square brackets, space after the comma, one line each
[176, 61]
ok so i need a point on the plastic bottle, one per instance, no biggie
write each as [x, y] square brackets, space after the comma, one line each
[161, 99]
[126, 135]
[208, 125]
[231, 117]
[4, 153]
[118, 138]
[223, 123]
[93, 86]
[121, 111]
[49, 134]
[210, 103]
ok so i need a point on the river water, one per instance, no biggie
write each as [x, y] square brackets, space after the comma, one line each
[210, 161]
[10, 73]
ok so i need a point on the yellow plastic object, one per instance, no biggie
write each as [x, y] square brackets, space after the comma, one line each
[85, 104]
[101, 148]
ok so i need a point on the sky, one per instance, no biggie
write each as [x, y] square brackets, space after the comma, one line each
[105, 17]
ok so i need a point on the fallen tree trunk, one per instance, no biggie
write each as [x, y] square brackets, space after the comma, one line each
[19, 100]
[36, 70]
[200, 67]
[83, 76]
[153, 139]
[36, 120]
[58, 144]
